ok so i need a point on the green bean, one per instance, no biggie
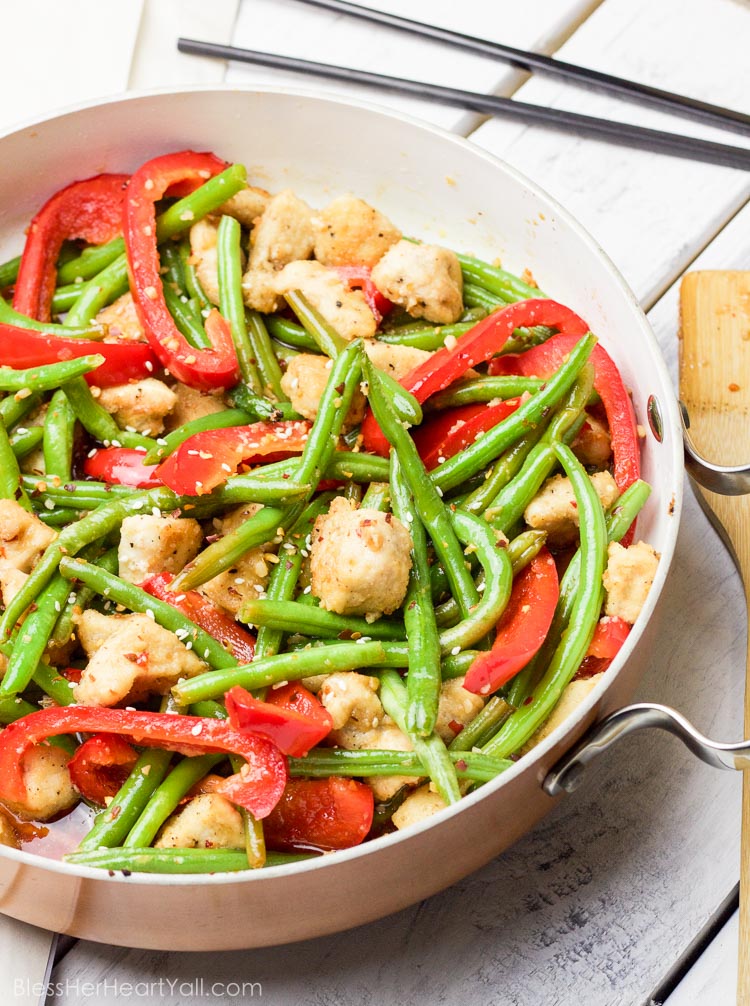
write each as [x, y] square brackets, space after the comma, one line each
[193, 286]
[181, 216]
[231, 304]
[73, 495]
[116, 589]
[431, 751]
[9, 316]
[499, 475]
[59, 429]
[483, 616]
[214, 421]
[358, 467]
[291, 667]
[57, 517]
[64, 298]
[377, 497]
[458, 665]
[621, 515]
[521, 550]
[53, 684]
[404, 404]
[98, 292]
[283, 579]
[33, 637]
[325, 336]
[423, 679]
[187, 322]
[283, 353]
[258, 407]
[97, 421]
[176, 861]
[309, 620]
[523, 722]
[10, 474]
[80, 596]
[90, 262]
[257, 530]
[281, 492]
[13, 409]
[76, 536]
[167, 796]
[9, 272]
[291, 333]
[171, 267]
[430, 507]
[498, 281]
[51, 375]
[112, 824]
[484, 389]
[513, 499]
[477, 455]
[478, 296]
[486, 723]
[23, 442]
[13, 707]
[262, 347]
[426, 338]
[324, 762]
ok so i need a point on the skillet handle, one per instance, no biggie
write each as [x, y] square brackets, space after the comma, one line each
[568, 772]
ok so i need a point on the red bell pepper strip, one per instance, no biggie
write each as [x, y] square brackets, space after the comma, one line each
[258, 786]
[100, 766]
[522, 628]
[205, 369]
[480, 343]
[544, 360]
[22, 348]
[294, 730]
[207, 459]
[448, 432]
[122, 466]
[609, 635]
[196, 607]
[320, 814]
[358, 278]
[90, 210]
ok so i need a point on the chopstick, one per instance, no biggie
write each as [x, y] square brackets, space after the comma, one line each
[678, 104]
[621, 133]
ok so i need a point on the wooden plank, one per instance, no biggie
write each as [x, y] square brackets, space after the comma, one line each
[292, 29]
[593, 906]
[651, 213]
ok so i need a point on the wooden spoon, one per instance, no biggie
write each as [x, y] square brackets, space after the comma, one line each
[715, 387]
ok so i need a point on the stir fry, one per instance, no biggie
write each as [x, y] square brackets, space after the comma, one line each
[308, 528]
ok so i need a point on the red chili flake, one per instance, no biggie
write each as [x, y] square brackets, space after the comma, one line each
[528, 700]
[461, 765]
[456, 727]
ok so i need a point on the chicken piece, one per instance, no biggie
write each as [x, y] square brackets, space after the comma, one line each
[246, 205]
[33, 463]
[345, 310]
[351, 232]
[397, 361]
[8, 834]
[628, 578]
[49, 790]
[203, 238]
[386, 736]
[592, 446]
[11, 581]
[420, 804]
[209, 821]
[151, 545]
[360, 560]
[424, 279]
[130, 658]
[249, 575]
[456, 706]
[570, 699]
[351, 696]
[121, 319]
[554, 507]
[283, 234]
[23, 537]
[140, 406]
[304, 381]
[192, 404]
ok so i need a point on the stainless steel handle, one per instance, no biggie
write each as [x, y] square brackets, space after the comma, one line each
[727, 480]
[567, 773]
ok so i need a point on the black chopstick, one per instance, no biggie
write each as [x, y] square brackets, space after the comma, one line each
[582, 125]
[667, 101]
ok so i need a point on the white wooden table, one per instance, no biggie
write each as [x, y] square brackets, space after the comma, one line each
[600, 904]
